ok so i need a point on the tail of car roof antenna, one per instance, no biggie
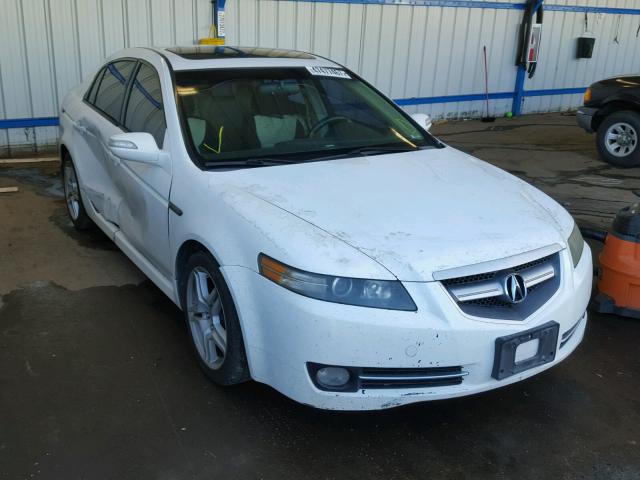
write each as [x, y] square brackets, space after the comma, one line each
[619, 273]
[216, 31]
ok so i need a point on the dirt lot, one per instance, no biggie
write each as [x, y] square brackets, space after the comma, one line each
[97, 381]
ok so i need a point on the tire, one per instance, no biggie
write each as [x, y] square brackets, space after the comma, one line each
[73, 198]
[212, 321]
[620, 153]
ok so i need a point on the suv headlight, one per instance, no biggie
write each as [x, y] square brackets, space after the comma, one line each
[388, 294]
[576, 244]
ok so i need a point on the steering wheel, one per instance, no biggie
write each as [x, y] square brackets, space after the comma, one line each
[326, 121]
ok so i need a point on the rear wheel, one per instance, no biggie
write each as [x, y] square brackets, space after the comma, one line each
[212, 321]
[618, 138]
[75, 207]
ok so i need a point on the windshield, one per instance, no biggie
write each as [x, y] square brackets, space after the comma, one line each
[291, 114]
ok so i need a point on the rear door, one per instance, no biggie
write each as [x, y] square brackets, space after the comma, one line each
[85, 157]
[96, 125]
[144, 189]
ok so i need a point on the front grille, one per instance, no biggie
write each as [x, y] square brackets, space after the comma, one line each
[490, 302]
[470, 279]
[491, 275]
[497, 302]
[534, 263]
[483, 295]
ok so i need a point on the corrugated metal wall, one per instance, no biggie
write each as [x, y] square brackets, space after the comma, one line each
[405, 50]
[617, 51]
[47, 46]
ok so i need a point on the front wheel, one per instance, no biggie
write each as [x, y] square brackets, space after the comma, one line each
[75, 207]
[617, 139]
[212, 321]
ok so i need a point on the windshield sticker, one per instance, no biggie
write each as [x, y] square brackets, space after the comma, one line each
[328, 72]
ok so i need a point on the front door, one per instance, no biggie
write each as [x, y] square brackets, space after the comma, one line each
[144, 189]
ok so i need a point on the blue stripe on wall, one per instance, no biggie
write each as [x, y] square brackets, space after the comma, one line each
[430, 3]
[554, 91]
[586, 9]
[403, 102]
[487, 4]
[30, 122]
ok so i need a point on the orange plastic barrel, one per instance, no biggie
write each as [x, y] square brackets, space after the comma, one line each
[619, 283]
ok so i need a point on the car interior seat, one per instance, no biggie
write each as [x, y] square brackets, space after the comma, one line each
[219, 122]
[278, 117]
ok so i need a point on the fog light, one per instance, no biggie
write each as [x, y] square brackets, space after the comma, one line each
[332, 377]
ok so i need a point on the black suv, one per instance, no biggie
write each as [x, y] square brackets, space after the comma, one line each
[612, 109]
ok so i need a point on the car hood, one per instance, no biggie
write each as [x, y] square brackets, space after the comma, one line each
[614, 88]
[620, 81]
[415, 213]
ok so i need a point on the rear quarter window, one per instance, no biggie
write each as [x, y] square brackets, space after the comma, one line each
[90, 96]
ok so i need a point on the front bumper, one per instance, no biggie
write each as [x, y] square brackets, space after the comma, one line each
[284, 331]
[585, 118]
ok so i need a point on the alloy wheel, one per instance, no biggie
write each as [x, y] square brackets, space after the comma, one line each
[206, 318]
[71, 190]
[621, 139]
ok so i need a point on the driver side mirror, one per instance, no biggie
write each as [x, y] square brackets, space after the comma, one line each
[138, 147]
[423, 120]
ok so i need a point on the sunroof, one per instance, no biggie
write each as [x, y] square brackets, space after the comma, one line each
[212, 52]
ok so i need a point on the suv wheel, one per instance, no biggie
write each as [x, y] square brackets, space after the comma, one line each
[212, 321]
[618, 137]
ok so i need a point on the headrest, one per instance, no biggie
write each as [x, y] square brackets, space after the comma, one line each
[224, 89]
[198, 129]
[279, 88]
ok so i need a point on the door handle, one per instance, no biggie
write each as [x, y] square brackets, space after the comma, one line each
[80, 128]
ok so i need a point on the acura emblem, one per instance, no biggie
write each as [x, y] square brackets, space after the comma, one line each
[514, 288]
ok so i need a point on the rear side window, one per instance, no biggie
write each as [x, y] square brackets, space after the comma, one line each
[145, 112]
[91, 93]
[111, 89]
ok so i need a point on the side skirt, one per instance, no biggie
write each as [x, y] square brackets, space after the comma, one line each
[114, 233]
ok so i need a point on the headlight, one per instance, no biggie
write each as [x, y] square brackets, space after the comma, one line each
[351, 291]
[576, 244]
[587, 95]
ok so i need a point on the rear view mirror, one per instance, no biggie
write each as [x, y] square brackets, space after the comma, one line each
[136, 147]
[423, 120]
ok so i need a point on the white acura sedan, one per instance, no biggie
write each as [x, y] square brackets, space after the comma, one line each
[318, 238]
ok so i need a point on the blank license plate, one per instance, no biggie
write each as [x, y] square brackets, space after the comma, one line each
[522, 351]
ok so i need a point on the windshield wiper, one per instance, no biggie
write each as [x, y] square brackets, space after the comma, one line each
[366, 151]
[373, 150]
[250, 162]
[300, 157]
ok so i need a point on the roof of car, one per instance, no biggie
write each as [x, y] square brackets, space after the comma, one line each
[211, 56]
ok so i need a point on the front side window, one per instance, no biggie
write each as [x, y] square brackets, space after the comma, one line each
[109, 95]
[293, 113]
[144, 111]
